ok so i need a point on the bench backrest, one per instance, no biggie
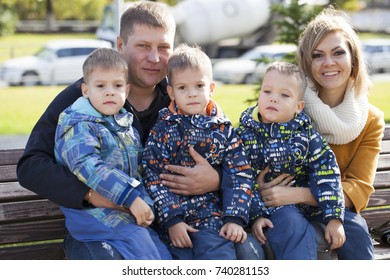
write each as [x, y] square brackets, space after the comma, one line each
[378, 210]
[31, 227]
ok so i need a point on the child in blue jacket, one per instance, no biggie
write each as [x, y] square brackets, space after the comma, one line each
[201, 226]
[278, 135]
[96, 141]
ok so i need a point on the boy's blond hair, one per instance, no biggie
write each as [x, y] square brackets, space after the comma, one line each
[292, 70]
[185, 56]
[104, 58]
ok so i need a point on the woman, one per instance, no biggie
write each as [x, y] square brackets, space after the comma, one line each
[330, 55]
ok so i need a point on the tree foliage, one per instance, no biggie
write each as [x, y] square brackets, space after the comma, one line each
[8, 20]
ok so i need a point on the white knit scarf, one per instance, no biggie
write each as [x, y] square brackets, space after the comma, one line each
[341, 124]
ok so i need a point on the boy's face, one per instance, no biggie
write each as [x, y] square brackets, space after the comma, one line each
[191, 90]
[107, 90]
[279, 98]
[147, 52]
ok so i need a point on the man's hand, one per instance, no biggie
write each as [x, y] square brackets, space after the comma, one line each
[99, 201]
[200, 179]
[178, 234]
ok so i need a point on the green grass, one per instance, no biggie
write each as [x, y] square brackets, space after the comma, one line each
[21, 107]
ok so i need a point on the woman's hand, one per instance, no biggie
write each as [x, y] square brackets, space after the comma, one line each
[281, 180]
[200, 179]
[279, 192]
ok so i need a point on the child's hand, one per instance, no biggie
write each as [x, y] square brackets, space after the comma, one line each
[233, 232]
[178, 234]
[257, 228]
[142, 212]
[334, 234]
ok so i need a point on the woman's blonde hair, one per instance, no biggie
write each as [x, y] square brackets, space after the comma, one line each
[328, 21]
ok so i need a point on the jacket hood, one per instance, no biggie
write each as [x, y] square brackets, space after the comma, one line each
[215, 116]
[82, 111]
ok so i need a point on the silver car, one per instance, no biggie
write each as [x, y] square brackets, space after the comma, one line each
[58, 62]
[246, 69]
[377, 54]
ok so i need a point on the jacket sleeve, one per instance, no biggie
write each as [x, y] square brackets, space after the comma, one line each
[155, 156]
[79, 149]
[324, 177]
[359, 175]
[37, 169]
[237, 181]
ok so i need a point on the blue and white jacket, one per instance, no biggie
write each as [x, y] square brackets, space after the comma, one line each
[104, 153]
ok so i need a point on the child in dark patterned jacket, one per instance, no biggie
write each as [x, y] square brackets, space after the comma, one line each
[200, 226]
[278, 136]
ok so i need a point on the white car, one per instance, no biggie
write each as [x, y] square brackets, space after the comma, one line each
[58, 62]
[377, 54]
[246, 69]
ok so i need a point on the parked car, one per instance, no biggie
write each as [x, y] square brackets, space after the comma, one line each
[246, 69]
[377, 54]
[58, 62]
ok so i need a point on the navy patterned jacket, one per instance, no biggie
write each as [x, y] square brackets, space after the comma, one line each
[294, 148]
[214, 138]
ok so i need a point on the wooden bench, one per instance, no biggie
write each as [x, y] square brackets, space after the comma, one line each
[32, 227]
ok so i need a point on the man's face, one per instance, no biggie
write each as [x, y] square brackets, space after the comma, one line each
[147, 52]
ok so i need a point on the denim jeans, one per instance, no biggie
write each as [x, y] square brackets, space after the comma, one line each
[95, 250]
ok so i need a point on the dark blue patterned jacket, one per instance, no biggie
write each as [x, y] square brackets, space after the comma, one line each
[214, 138]
[295, 148]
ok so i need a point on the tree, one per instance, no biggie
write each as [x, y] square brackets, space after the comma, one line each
[50, 18]
[290, 21]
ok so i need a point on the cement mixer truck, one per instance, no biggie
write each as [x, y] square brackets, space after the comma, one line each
[224, 28]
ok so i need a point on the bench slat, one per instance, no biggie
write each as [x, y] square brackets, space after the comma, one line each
[8, 173]
[385, 147]
[382, 179]
[383, 162]
[10, 156]
[13, 191]
[32, 231]
[34, 252]
[386, 134]
[42, 209]
[376, 217]
[381, 197]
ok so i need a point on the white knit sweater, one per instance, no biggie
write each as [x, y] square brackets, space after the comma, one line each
[341, 124]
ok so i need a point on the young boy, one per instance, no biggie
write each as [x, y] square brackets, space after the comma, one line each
[200, 226]
[96, 141]
[279, 136]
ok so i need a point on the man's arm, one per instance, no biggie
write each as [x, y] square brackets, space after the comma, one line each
[37, 169]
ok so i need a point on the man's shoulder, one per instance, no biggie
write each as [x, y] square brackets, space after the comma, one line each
[67, 96]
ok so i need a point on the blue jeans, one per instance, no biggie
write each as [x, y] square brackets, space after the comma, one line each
[207, 245]
[251, 249]
[95, 250]
[102, 250]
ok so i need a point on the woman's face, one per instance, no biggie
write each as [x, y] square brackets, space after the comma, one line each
[332, 63]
